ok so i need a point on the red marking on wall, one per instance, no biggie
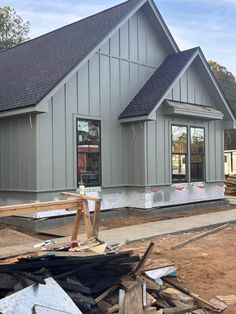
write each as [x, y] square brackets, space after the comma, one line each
[179, 189]
[201, 187]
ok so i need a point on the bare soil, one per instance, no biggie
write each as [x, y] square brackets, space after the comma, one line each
[207, 266]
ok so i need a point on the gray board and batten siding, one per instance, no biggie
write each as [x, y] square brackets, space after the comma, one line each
[18, 153]
[100, 89]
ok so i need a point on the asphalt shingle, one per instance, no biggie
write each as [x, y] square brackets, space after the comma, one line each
[152, 92]
[31, 70]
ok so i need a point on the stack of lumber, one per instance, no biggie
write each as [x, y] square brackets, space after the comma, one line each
[230, 185]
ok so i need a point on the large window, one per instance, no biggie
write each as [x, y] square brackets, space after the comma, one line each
[197, 153]
[89, 152]
[188, 154]
[179, 153]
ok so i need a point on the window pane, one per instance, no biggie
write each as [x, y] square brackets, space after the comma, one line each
[197, 149]
[197, 141]
[88, 141]
[179, 139]
[179, 169]
[88, 169]
[197, 167]
[88, 133]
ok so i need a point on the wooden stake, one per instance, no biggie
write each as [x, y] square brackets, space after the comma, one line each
[87, 219]
[96, 218]
[75, 231]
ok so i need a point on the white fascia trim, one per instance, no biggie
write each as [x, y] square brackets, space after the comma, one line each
[135, 119]
[73, 71]
[196, 114]
[217, 86]
[164, 26]
[16, 112]
[172, 85]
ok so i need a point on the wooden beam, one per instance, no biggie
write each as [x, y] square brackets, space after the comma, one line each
[204, 234]
[80, 196]
[87, 219]
[14, 210]
[96, 218]
[75, 231]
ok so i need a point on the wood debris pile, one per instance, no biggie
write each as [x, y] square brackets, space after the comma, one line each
[98, 279]
[230, 185]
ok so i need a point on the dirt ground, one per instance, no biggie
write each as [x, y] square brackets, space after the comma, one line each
[207, 266]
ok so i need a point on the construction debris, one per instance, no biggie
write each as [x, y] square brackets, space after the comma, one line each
[105, 282]
[92, 276]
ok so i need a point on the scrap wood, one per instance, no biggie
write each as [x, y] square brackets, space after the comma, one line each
[105, 294]
[114, 309]
[133, 303]
[181, 244]
[180, 310]
[200, 301]
[151, 284]
[176, 295]
[143, 260]
[228, 299]
[216, 302]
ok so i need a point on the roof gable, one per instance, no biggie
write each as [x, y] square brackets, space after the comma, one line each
[154, 92]
[29, 71]
[158, 85]
[32, 71]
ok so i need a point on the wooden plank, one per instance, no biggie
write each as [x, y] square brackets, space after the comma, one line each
[14, 210]
[96, 218]
[143, 260]
[80, 196]
[105, 294]
[200, 301]
[75, 231]
[181, 244]
[134, 300]
[87, 219]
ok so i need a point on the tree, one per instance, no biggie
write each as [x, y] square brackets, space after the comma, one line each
[227, 82]
[13, 30]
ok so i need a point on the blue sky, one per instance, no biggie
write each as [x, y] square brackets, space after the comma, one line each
[210, 24]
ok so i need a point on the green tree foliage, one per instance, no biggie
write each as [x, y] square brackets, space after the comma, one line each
[13, 30]
[227, 82]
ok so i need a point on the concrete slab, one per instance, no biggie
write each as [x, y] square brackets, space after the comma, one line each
[170, 226]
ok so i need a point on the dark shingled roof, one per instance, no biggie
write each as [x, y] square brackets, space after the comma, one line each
[31, 70]
[152, 92]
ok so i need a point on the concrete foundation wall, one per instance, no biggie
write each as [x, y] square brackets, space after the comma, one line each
[133, 197]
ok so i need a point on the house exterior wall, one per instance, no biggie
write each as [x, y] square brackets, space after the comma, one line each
[158, 148]
[101, 89]
[189, 88]
[18, 154]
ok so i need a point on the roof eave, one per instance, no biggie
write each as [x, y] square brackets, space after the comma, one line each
[135, 119]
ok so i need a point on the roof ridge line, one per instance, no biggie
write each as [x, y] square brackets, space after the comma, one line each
[67, 25]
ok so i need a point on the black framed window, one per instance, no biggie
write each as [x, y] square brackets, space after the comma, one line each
[88, 152]
[179, 153]
[188, 154]
[197, 153]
